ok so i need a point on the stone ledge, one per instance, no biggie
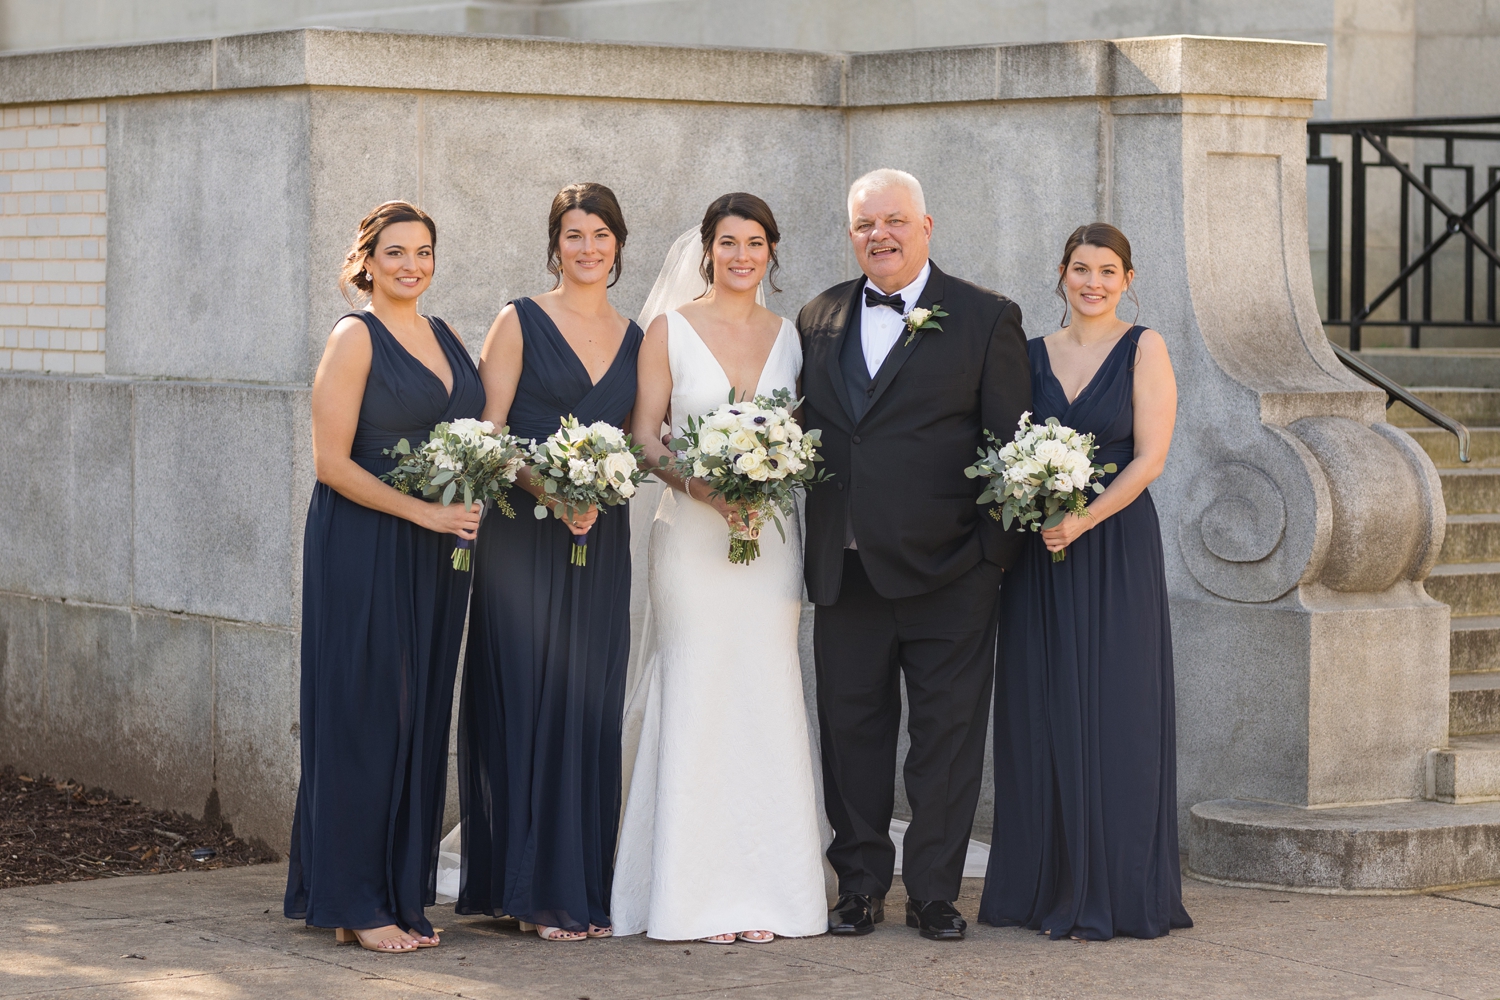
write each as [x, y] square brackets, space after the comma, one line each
[1178, 64]
[1131, 67]
[1378, 850]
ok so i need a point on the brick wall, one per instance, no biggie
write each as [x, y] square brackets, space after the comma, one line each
[52, 238]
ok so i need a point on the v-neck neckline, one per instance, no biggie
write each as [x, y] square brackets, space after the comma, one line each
[557, 331]
[437, 336]
[755, 390]
[1047, 353]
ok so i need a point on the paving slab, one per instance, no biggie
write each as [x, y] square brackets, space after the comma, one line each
[220, 936]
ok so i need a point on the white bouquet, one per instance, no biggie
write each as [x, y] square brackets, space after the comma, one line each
[1040, 477]
[465, 457]
[752, 454]
[582, 466]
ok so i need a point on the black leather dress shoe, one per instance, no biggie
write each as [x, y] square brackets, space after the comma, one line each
[856, 913]
[937, 919]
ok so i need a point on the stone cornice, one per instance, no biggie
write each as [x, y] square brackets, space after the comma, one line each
[321, 57]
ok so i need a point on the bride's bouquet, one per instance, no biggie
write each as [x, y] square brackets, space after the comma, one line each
[1040, 477]
[467, 458]
[752, 454]
[582, 466]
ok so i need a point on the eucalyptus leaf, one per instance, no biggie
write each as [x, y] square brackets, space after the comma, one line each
[1054, 520]
[448, 492]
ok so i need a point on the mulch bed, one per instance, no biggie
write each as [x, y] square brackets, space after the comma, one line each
[60, 831]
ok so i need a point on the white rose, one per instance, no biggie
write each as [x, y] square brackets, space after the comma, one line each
[618, 467]
[625, 489]
[700, 471]
[608, 432]
[1051, 452]
[722, 421]
[778, 433]
[713, 442]
[741, 439]
[919, 316]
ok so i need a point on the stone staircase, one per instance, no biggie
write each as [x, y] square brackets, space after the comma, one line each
[1467, 578]
[1453, 838]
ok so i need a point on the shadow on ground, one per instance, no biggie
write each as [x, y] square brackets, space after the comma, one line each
[220, 934]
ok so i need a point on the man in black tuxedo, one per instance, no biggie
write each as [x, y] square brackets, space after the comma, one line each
[902, 564]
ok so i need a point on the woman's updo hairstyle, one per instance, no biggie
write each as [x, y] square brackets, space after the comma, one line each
[1105, 237]
[352, 274]
[739, 205]
[594, 199]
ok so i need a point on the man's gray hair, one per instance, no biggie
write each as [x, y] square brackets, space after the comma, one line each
[885, 177]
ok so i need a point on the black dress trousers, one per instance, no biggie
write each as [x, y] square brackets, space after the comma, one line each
[943, 643]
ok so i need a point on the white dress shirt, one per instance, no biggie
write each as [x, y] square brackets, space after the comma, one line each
[880, 327]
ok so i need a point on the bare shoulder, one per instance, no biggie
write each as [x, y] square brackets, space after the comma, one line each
[507, 323]
[1151, 345]
[656, 331]
[350, 339]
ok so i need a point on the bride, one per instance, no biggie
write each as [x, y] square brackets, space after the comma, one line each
[721, 838]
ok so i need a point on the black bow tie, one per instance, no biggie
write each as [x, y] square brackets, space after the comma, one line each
[874, 298]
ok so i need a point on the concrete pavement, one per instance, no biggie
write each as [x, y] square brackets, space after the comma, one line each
[221, 935]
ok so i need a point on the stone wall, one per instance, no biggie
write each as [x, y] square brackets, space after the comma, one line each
[150, 562]
[52, 208]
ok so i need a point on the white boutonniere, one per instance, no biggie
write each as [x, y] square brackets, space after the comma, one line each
[922, 319]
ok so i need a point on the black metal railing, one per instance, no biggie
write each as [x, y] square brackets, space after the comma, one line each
[1398, 393]
[1376, 134]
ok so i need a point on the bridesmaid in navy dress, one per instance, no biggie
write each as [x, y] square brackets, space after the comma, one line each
[544, 680]
[382, 606]
[1085, 835]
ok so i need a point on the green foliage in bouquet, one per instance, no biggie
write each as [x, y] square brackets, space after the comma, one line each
[464, 458]
[752, 454]
[1040, 476]
[582, 466]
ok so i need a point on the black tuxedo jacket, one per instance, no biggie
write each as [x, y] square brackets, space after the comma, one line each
[898, 479]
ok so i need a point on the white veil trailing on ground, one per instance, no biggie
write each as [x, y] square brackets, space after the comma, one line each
[681, 280]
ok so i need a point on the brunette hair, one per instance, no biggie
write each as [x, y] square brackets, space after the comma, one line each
[352, 274]
[595, 199]
[1105, 237]
[740, 205]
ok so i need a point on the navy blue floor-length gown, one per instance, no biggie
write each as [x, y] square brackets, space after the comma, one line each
[382, 622]
[1085, 834]
[544, 677]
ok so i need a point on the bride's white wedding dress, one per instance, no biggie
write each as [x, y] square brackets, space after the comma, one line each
[721, 829]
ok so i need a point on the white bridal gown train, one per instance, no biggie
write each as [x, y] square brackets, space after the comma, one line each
[721, 830]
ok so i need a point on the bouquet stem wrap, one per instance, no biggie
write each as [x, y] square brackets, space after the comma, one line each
[580, 555]
[744, 542]
[462, 554]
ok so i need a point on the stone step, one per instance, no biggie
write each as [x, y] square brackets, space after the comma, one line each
[1474, 407]
[1474, 644]
[1472, 368]
[1467, 588]
[1442, 446]
[1471, 538]
[1473, 704]
[1466, 770]
[1471, 491]
[1393, 848]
